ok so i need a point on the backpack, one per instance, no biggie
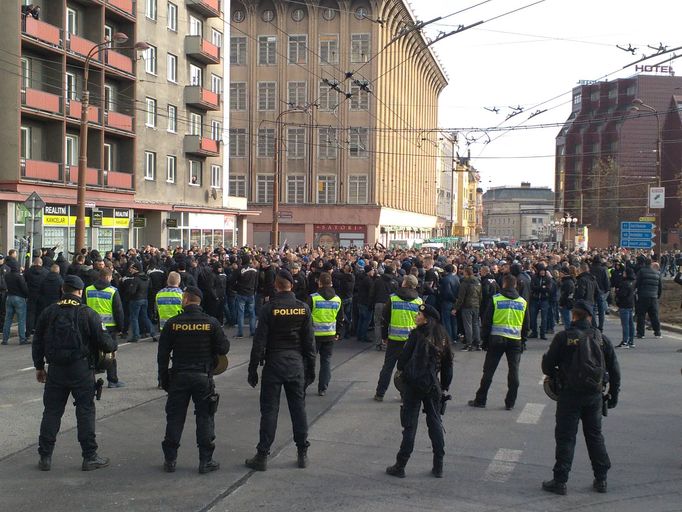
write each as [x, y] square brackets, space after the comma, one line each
[420, 371]
[587, 370]
[64, 343]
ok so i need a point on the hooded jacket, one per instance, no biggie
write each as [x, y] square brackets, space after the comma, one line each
[384, 286]
[469, 294]
[567, 292]
[34, 276]
[487, 321]
[328, 293]
[648, 283]
[586, 288]
[16, 284]
[138, 288]
[50, 290]
[406, 294]
[625, 291]
[117, 305]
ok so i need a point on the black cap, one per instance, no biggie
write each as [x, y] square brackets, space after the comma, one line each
[583, 306]
[74, 282]
[429, 311]
[285, 274]
[2, 256]
[193, 290]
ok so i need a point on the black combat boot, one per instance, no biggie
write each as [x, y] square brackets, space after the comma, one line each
[302, 459]
[258, 462]
[599, 485]
[94, 462]
[206, 466]
[397, 469]
[555, 487]
[437, 470]
[169, 466]
[45, 463]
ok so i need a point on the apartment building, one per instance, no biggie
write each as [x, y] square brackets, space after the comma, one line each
[318, 101]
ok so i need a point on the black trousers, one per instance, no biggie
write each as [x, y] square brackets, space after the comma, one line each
[409, 419]
[572, 408]
[112, 369]
[512, 349]
[393, 351]
[77, 380]
[647, 306]
[282, 371]
[32, 314]
[184, 386]
[325, 347]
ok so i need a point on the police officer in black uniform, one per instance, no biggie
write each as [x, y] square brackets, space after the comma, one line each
[284, 342]
[70, 336]
[575, 402]
[194, 340]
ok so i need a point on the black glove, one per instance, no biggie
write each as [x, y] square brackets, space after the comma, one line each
[164, 380]
[612, 401]
[252, 379]
[309, 378]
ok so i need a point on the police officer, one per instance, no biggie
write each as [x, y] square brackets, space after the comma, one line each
[398, 320]
[71, 357]
[284, 341]
[169, 299]
[505, 327]
[426, 352]
[105, 300]
[325, 307]
[577, 400]
[194, 340]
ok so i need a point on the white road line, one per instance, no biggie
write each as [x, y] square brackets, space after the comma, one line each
[27, 369]
[502, 465]
[6, 406]
[123, 344]
[530, 414]
[32, 400]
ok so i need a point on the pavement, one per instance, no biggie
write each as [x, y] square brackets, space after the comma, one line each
[495, 459]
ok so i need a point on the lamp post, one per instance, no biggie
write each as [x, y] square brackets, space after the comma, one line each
[638, 104]
[567, 220]
[118, 37]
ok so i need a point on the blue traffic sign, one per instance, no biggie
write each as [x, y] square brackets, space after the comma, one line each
[637, 235]
[636, 226]
[637, 244]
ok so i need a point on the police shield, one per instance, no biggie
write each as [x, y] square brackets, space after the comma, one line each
[220, 364]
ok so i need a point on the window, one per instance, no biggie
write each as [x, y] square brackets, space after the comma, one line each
[25, 73]
[150, 60]
[71, 22]
[329, 49]
[295, 142]
[151, 113]
[71, 150]
[149, 165]
[196, 26]
[238, 51]
[359, 99]
[172, 17]
[297, 94]
[237, 143]
[357, 189]
[109, 98]
[267, 95]
[237, 186]
[577, 99]
[267, 50]
[328, 98]
[216, 84]
[108, 157]
[359, 47]
[216, 176]
[266, 142]
[216, 130]
[359, 141]
[109, 35]
[171, 168]
[326, 189]
[297, 49]
[70, 86]
[26, 142]
[296, 189]
[195, 124]
[264, 186]
[196, 75]
[172, 118]
[172, 70]
[195, 173]
[217, 38]
[328, 144]
[238, 96]
[150, 9]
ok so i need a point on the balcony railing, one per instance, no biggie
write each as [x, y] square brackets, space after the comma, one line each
[209, 8]
[42, 31]
[39, 170]
[91, 175]
[40, 100]
[202, 50]
[197, 145]
[119, 61]
[119, 121]
[202, 98]
[74, 109]
[126, 6]
[82, 46]
[115, 179]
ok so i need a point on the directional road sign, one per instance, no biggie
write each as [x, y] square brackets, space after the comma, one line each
[637, 235]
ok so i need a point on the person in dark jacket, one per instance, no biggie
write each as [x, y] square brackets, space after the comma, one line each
[364, 285]
[300, 282]
[468, 305]
[138, 293]
[384, 286]
[245, 283]
[649, 288]
[34, 276]
[63, 264]
[489, 288]
[430, 339]
[157, 281]
[567, 294]
[625, 300]
[522, 280]
[448, 290]
[540, 290]
[586, 288]
[346, 284]
[17, 294]
[51, 288]
[601, 276]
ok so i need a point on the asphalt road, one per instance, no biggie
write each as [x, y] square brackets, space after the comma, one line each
[495, 459]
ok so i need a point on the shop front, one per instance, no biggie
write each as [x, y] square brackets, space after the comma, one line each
[340, 235]
[186, 229]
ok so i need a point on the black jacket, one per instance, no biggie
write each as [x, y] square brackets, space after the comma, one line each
[601, 276]
[469, 294]
[648, 283]
[300, 286]
[489, 288]
[487, 322]
[567, 292]
[586, 288]
[50, 290]
[625, 293]
[138, 289]
[363, 288]
[384, 286]
[540, 287]
[266, 281]
[448, 287]
[16, 284]
[345, 283]
[440, 350]
[245, 281]
[93, 336]
[34, 277]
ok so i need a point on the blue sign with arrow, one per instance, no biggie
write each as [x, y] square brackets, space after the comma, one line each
[637, 235]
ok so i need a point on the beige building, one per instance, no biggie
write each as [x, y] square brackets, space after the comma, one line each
[518, 213]
[352, 169]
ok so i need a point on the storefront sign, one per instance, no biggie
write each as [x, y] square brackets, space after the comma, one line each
[206, 221]
[139, 222]
[171, 223]
[666, 70]
[339, 228]
[96, 218]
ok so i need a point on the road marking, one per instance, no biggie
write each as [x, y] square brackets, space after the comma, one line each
[124, 344]
[502, 465]
[530, 414]
[6, 406]
[32, 400]
[27, 369]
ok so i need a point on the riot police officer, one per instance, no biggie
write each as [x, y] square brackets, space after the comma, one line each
[169, 299]
[69, 336]
[284, 342]
[194, 340]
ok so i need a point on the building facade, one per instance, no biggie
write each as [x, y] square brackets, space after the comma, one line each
[316, 99]
[518, 213]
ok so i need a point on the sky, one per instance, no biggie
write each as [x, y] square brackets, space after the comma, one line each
[529, 57]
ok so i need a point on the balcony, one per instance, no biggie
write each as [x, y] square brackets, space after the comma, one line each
[200, 146]
[39, 100]
[82, 46]
[115, 179]
[119, 61]
[199, 97]
[209, 8]
[39, 170]
[75, 108]
[42, 31]
[126, 7]
[118, 121]
[202, 50]
[91, 175]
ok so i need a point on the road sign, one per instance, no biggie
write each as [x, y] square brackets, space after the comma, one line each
[34, 202]
[637, 235]
[647, 219]
[657, 197]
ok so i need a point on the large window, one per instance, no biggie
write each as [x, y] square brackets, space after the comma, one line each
[71, 150]
[297, 96]
[328, 143]
[71, 22]
[267, 50]
[149, 165]
[196, 75]
[150, 9]
[172, 119]
[359, 142]
[216, 84]
[216, 130]
[264, 186]
[217, 38]
[359, 47]
[109, 98]
[329, 49]
[195, 173]
[196, 122]
[359, 99]
[172, 17]
[151, 113]
[328, 98]
[237, 142]
[326, 189]
[295, 142]
[196, 26]
[238, 51]
[237, 95]
[296, 189]
[70, 83]
[108, 157]
[150, 60]
[25, 73]
[267, 95]
[171, 168]
[266, 142]
[357, 189]
[297, 49]
[172, 68]
[237, 186]
[216, 176]
[26, 142]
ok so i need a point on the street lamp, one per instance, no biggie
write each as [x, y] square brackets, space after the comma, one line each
[120, 38]
[637, 105]
[567, 220]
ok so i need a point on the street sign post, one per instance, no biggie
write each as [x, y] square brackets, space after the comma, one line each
[33, 203]
[637, 235]
[656, 197]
